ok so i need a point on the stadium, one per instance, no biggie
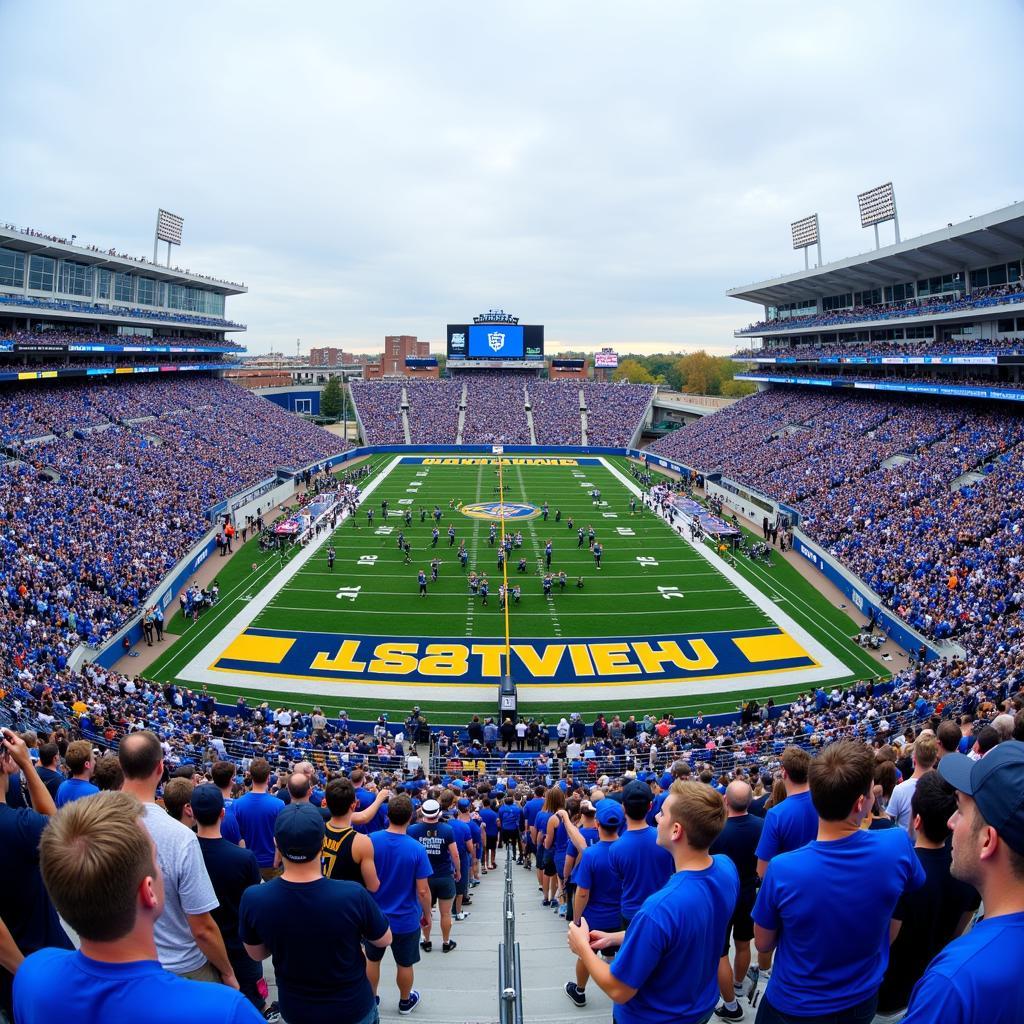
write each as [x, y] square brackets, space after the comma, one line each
[643, 649]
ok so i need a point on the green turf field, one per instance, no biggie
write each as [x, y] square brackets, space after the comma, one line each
[651, 584]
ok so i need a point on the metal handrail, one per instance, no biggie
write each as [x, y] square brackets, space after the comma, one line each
[510, 984]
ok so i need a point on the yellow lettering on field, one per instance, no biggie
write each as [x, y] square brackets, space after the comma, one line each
[445, 660]
[581, 663]
[542, 664]
[431, 462]
[670, 652]
[342, 661]
[613, 660]
[395, 659]
[490, 659]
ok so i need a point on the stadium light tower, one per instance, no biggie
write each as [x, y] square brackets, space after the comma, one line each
[878, 205]
[805, 234]
[168, 229]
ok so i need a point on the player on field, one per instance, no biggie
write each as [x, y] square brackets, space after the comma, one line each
[484, 586]
[493, 533]
[547, 554]
[330, 558]
[434, 536]
[598, 551]
[422, 579]
[451, 535]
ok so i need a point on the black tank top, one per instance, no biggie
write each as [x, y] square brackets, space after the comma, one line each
[337, 861]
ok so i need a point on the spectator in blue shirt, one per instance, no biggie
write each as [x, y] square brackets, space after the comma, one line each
[988, 853]
[404, 898]
[826, 907]
[642, 863]
[79, 759]
[683, 922]
[255, 813]
[101, 870]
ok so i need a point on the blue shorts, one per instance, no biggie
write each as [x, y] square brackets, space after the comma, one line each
[441, 888]
[405, 948]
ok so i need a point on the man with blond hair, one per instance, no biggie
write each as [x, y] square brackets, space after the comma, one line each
[684, 922]
[925, 755]
[101, 869]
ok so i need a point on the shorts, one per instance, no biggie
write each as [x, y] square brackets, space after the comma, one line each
[441, 888]
[549, 863]
[405, 948]
[530, 845]
[509, 838]
[462, 885]
[741, 926]
[492, 842]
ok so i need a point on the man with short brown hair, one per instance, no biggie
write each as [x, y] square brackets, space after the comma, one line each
[826, 907]
[79, 759]
[101, 868]
[684, 922]
[255, 813]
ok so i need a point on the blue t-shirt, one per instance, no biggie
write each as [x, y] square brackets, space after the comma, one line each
[463, 834]
[828, 897]
[490, 820]
[400, 863]
[683, 923]
[74, 789]
[435, 839]
[255, 814]
[531, 807]
[229, 824]
[788, 826]
[642, 865]
[477, 836]
[540, 822]
[314, 931]
[511, 817]
[57, 984]
[958, 986]
[594, 873]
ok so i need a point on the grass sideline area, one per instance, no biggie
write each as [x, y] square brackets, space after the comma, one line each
[622, 599]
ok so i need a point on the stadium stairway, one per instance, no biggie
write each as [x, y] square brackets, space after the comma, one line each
[583, 418]
[462, 415]
[529, 415]
[405, 415]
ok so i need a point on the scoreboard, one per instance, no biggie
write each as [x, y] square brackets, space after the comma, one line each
[495, 340]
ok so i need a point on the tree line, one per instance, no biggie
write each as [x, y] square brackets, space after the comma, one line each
[696, 373]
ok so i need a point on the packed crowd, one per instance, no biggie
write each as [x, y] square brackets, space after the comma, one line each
[977, 299]
[91, 522]
[74, 306]
[434, 411]
[73, 366]
[113, 252]
[615, 411]
[496, 410]
[877, 350]
[847, 374]
[379, 408]
[82, 337]
[652, 863]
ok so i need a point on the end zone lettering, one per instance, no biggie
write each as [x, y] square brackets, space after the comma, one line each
[538, 662]
[485, 460]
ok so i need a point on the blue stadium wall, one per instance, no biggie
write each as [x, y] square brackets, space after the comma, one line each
[287, 400]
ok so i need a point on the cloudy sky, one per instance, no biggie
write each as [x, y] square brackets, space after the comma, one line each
[606, 169]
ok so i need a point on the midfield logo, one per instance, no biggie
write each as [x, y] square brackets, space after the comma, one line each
[497, 341]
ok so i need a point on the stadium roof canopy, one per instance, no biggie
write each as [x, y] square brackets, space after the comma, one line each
[43, 246]
[992, 238]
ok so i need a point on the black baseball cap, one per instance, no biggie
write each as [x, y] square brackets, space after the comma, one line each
[996, 784]
[207, 803]
[299, 832]
[637, 799]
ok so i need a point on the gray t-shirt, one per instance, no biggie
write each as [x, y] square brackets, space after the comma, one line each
[899, 803]
[187, 890]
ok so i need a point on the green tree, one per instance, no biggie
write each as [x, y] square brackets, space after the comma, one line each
[331, 399]
[738, 388]
[634, 371]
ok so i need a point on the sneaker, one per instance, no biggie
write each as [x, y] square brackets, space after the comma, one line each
[272, 1014]
[724, 1013]
[461, 916]
[426, 946]
[575, 993]
[474, 882]
[561, 910]
[545, 903]
[447, 947]
[408, 1005]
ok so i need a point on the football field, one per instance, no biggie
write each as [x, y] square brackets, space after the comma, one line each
[663, 624]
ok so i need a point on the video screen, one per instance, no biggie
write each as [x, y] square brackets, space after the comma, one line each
[495, 341]
[515, 342]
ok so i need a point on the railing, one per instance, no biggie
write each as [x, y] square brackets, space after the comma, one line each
[510, 983]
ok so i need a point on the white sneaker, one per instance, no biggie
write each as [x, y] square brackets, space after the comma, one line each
[461, 916]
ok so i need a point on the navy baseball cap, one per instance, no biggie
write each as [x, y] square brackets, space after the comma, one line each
[996, 783]
[207, 803]
[299, 832]
[609, 813]
[637, 796]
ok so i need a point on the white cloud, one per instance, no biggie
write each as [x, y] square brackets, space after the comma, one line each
[606, 169]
